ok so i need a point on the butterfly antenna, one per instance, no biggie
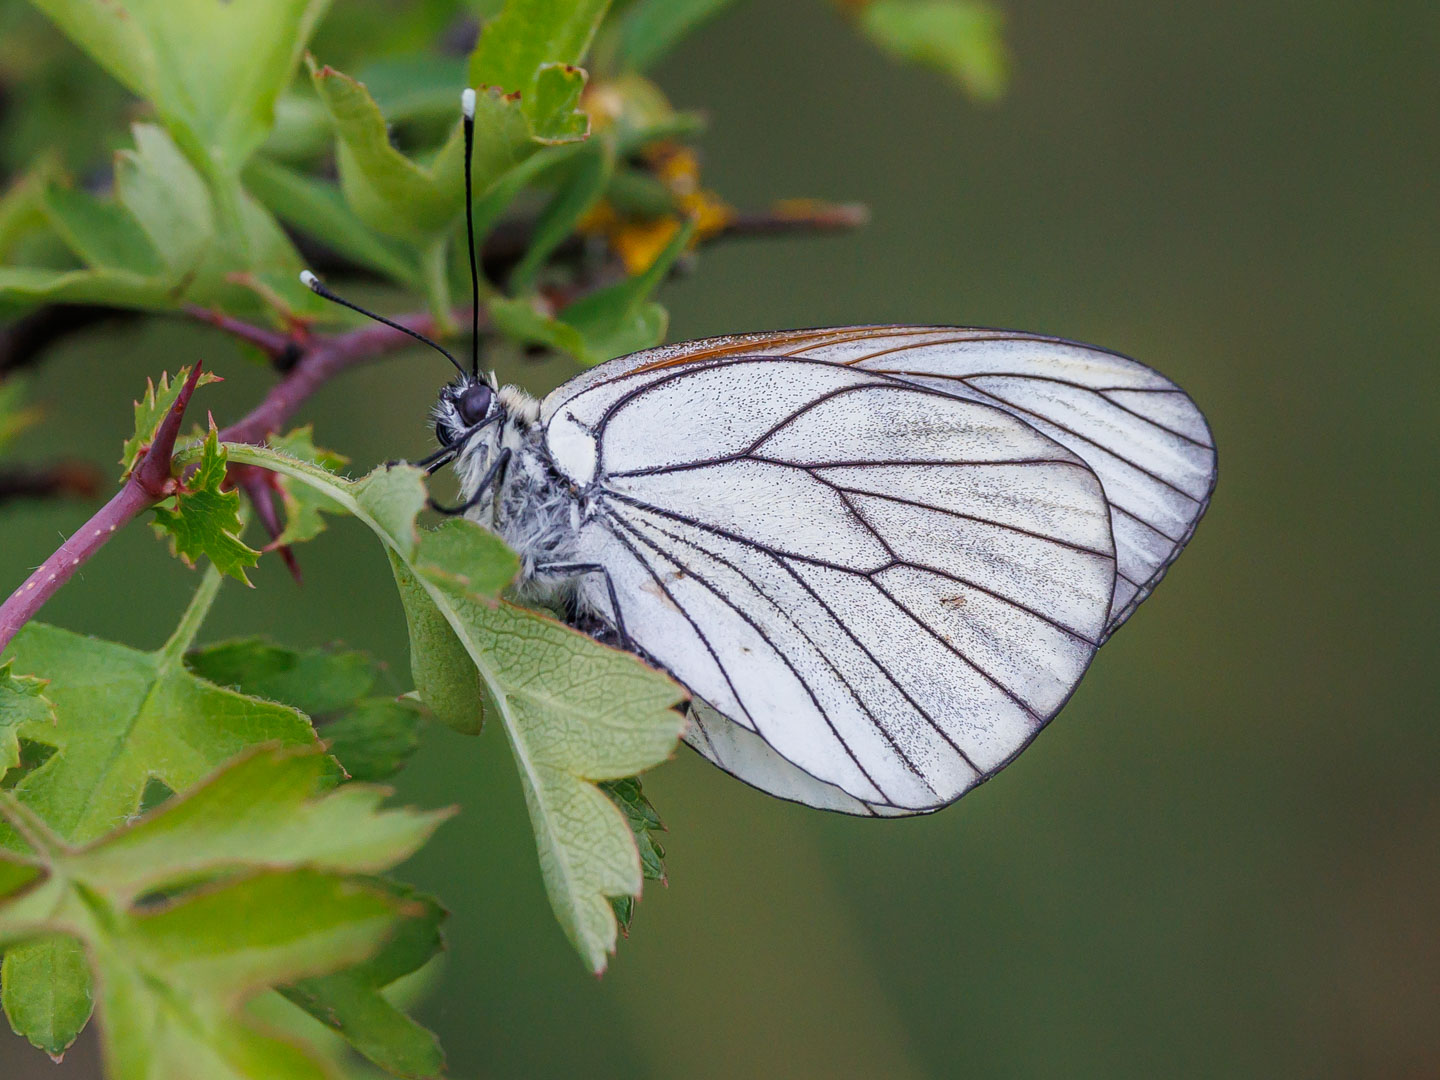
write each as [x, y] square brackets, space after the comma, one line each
[467, 110]
[315, 285]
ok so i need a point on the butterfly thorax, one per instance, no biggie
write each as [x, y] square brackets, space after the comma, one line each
[529, 505]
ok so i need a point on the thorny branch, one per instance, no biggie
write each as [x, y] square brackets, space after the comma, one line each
[149, 482]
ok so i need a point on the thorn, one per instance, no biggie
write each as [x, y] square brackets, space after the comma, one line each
[152, 472]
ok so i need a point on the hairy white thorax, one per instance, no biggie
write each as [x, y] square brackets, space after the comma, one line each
[528, 505]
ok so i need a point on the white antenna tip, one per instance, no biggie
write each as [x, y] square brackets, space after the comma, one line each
[308, 279]
[467, 103]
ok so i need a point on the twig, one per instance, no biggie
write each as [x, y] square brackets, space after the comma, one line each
[77, 478]
[796, 216]
[23, 341]
[278, 345]
[148, 483]
[321, 362]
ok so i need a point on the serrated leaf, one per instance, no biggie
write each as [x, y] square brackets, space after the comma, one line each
[576, 712]
[255, 867]
[553, 107]
[350, 1001]
[213, 71]
[316, 681]
[122, 717]
[371, 737]
[22, 703]
[151, 410]
[206, 520]
[272, 808]
[304, 505]
[645, 825]
[122, 721]
[387, 190]
[375, 738]
[530, 54]
[959, 38]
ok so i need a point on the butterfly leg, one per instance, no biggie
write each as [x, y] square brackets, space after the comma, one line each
[594, 568]
[431, 463]
[481, 489]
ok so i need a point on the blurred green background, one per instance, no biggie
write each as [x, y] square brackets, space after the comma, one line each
[1222, 859]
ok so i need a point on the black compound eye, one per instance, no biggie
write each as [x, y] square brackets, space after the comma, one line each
[473, 404]
[441, 435]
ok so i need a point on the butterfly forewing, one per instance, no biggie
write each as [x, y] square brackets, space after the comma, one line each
[891, 588]
[1139, 432]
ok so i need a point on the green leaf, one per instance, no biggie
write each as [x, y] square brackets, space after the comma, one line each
[304, 506]
[243, 884]
[622, 319]
[644, 824]
[317, 681]
[151, 410]
[213, 71]
[318, 209]
[350, 1001]
[522, 319]
[22, 703]
[125, 716]
[959, 38]
[122, 720]
[26, 286]
[268, 807]
[528, 34]
[575, 712]
[387, 190]
[581, 188]
[509, 183]
[45, 991]
[15, 416]
[374, 739]
[206, 520]
[163, 192]
[102, 234]
[530, 54]
[22, 208]
[371, 737]
[553, 107]
[649, 29]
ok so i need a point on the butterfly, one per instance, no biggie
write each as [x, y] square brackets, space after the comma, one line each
[880, 558]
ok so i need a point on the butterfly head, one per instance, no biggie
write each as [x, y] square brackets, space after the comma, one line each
[468, 414]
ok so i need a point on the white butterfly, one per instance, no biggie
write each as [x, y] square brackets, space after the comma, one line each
[879, 557]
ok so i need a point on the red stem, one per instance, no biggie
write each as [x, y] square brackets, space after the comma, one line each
[274, 343]
[322, 361]
[25, 601]
[149, 482]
